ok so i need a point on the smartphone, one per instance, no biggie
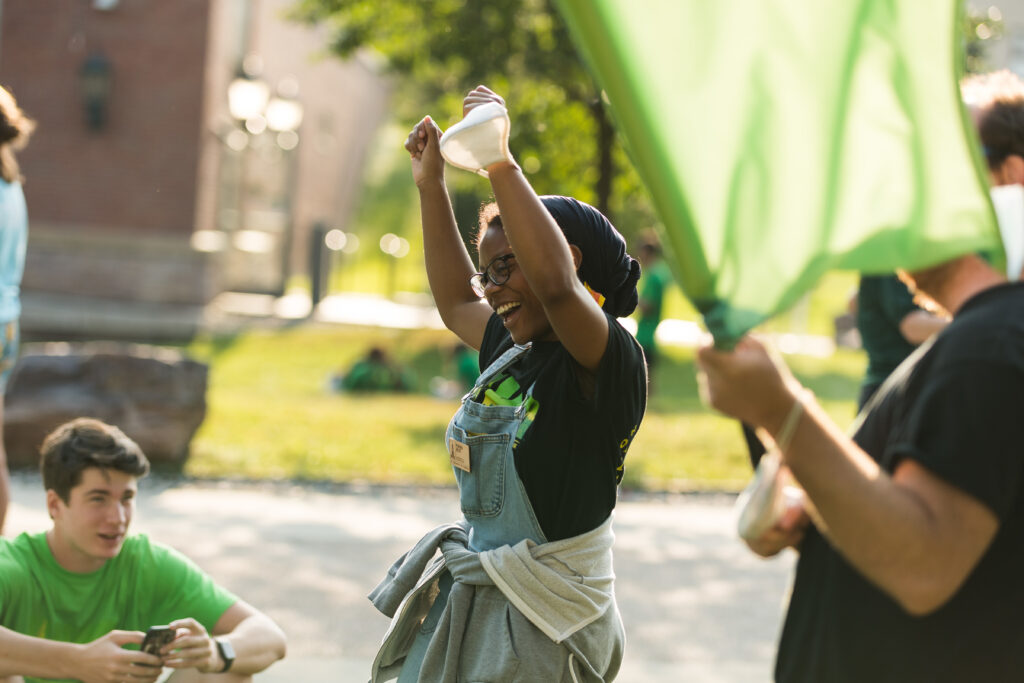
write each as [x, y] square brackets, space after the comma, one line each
[156, 638]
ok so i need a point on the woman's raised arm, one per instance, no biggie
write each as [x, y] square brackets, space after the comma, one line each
[545, 257]
[449, 266]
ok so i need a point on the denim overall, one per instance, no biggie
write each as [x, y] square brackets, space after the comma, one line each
[491, 494]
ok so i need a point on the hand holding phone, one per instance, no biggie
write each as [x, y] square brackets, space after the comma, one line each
[156, 638]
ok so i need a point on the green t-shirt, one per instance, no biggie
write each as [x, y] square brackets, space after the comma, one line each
[653, 283]
[145, 585]
[467, 368]
[882, 303]
[368, 375]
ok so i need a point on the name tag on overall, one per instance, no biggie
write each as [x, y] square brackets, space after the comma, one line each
[458, 454]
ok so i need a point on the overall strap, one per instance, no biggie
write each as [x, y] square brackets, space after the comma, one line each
[503, 361]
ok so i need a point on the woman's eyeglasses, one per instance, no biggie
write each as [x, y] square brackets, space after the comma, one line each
[497, 272]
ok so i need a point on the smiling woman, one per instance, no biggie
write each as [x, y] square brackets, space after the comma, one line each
[538, 444]
[607, 273]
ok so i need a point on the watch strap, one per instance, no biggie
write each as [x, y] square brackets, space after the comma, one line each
[226, 651]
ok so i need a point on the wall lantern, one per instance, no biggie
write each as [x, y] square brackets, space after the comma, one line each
[96, 79]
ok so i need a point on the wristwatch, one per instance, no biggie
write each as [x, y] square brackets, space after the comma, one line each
[227, 653]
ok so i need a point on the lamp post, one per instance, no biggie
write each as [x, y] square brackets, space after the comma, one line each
[251, 104]
[264, 134]
[284, 114]
[397, 248]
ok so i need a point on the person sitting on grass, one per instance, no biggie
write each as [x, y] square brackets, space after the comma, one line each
[373, 372]
[73, 597]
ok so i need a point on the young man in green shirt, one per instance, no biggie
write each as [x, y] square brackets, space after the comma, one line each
[73, 598]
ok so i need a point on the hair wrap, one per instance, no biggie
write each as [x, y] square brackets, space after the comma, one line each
[606, 267]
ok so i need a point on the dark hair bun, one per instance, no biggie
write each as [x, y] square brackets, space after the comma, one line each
[606, 267]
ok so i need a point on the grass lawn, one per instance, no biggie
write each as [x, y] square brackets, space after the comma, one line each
[270, 414]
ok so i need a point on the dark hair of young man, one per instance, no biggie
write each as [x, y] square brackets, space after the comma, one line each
[998, 101]
[83, 443]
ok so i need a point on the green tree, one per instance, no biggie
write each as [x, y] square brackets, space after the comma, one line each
[439, 49]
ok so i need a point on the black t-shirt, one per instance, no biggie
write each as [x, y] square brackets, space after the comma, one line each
[569, 453]
[954, 407]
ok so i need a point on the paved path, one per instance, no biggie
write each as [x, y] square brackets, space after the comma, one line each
[697, 606]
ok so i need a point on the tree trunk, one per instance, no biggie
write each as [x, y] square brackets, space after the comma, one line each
[605, 166]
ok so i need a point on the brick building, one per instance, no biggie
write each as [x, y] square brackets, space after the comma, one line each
[143, 190]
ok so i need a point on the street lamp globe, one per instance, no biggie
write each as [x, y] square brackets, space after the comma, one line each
[284, 114]
[247, 97]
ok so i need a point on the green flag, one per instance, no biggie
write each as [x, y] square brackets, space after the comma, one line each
[781, 139]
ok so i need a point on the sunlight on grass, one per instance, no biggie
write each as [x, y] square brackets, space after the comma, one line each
[270, 414]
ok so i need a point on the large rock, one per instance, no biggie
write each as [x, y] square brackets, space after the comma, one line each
[157, 396]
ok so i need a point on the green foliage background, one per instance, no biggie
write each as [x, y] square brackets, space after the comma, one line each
[438, 50]
[271, 415]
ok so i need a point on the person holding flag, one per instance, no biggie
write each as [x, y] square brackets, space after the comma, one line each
[910, 569]
[797, 140]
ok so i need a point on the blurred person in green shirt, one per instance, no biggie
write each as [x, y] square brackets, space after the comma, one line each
[891, 326]
[374, 372]
[655, 279]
